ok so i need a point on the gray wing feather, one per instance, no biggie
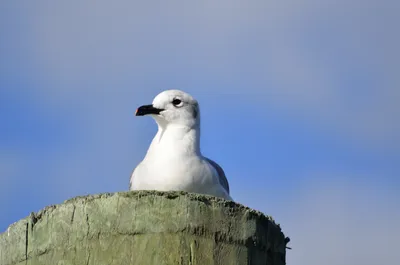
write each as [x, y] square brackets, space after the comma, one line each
[221, 174]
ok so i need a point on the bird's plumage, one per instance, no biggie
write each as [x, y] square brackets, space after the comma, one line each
[173, 160]
[221, 174]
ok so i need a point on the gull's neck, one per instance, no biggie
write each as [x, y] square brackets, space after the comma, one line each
[176, 140]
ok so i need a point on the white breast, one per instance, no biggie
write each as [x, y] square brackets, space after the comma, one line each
[187, 174]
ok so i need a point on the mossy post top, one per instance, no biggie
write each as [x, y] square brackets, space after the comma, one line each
[144, 227]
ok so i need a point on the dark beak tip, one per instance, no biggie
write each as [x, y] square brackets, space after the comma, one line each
[147, 109]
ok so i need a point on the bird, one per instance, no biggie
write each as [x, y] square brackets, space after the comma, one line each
[173, 161]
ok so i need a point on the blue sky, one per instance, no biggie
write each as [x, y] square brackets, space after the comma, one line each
[299, 104]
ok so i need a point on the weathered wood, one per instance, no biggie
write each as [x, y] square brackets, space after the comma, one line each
[144, 227]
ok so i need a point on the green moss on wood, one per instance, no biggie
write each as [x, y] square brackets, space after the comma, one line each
[144, 227]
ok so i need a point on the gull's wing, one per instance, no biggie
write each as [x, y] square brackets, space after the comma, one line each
[221, 174]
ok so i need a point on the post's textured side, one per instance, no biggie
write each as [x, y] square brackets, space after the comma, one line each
[144, 227]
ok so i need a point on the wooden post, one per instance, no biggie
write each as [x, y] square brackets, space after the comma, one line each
[144, 227]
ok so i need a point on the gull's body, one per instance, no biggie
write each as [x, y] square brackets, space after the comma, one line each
[173, 160]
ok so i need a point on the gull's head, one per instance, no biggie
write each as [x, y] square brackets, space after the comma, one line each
[172, 107]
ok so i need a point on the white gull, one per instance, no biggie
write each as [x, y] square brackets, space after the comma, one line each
[173, 160]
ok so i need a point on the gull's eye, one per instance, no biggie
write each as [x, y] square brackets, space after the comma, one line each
[176, 102]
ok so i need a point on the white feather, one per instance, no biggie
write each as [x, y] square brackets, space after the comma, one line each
[173, 160]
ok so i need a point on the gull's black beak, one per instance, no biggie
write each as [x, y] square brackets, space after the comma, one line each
[147, 109]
